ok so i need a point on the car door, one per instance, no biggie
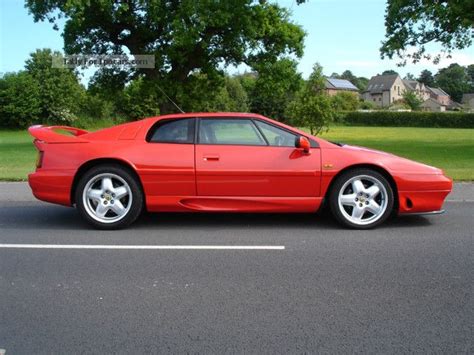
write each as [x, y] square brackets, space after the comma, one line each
[245, 157]
[165, 160]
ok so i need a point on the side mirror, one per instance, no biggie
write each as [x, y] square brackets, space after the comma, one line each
[303, 143]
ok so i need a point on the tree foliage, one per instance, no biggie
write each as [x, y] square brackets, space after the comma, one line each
[389, 72]
[345, 101]
[470, 77]
[427, 78]
[412, 100]
[60, 93]
[40, 93]
[19, 100]
[312, 107]
[186, 37]
[454, 80]
[412, 24]
[274, 88]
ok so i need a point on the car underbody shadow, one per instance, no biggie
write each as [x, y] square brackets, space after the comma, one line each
[28, 216]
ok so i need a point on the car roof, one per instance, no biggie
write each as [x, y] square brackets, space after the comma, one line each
[208, 115]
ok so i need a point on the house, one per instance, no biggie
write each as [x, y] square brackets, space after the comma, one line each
[384, 90]
[468, 101]
[333, 86]
[433, 105]
[420, 89]
[439, 95]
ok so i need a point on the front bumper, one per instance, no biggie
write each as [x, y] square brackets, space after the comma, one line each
[422, 193]
[52, 185]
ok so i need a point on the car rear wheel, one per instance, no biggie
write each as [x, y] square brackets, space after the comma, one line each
[109, 197]
[361, 199]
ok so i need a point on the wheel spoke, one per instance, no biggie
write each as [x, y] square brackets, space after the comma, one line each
[358, 212]
[358, 186]
[348, 200]
[101, 210]
[118, 208]
[373, 207]
[373, 191]
[107, 184]
[120, 192]
[94, 194]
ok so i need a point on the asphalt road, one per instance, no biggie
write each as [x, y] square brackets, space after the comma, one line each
[405, 287]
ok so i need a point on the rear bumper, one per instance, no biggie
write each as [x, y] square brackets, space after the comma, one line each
[422, 193]
[52, 185]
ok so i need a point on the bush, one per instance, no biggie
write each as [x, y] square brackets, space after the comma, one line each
[345, 101]
[410, 119]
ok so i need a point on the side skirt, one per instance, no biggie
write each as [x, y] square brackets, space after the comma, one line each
[232, 204]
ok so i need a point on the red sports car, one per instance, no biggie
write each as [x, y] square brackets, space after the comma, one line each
[226, 162]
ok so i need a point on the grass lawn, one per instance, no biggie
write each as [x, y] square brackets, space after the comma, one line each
[449, 149]
[17, 155]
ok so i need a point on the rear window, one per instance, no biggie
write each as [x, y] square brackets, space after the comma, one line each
[180, 131]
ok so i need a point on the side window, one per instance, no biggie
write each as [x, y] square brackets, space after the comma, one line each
[229, 131]
[173, 131]
[276, 137]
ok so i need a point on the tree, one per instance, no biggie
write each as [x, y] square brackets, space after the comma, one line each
[231, 98]
[20, 104]
[412, 100]
[186, 37]
[312, 107]
[139, 100]
[274, 88]
[470, 75]
[409, 76]
[362, 83]
[426, 77]
[389, 72]
[347, 75]
[60, 92]
[454, 80]
[411, 24]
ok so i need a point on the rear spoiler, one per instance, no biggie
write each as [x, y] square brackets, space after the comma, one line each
[55, 134]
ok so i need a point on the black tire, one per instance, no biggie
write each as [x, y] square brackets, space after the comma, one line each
[342, 180]
[137, 199]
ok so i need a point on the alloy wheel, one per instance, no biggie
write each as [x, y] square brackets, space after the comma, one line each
[363, 200]
[107, 198]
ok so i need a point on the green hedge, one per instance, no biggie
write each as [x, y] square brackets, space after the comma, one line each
[409, 119]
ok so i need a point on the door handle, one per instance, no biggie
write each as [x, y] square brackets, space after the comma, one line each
[211, 158]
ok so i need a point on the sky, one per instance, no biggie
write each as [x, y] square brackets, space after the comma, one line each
[341, 34]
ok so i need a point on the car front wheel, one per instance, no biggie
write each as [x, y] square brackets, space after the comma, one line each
[361, 199]
[109, 197]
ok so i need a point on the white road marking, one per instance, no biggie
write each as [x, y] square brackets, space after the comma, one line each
[142, 247]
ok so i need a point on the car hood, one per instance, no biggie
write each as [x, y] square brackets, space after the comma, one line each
[391, 161]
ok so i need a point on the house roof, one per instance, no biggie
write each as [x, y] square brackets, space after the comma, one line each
[380, 83]
[424, 104]
[410, 84]
[437, 91]
[340, 84]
